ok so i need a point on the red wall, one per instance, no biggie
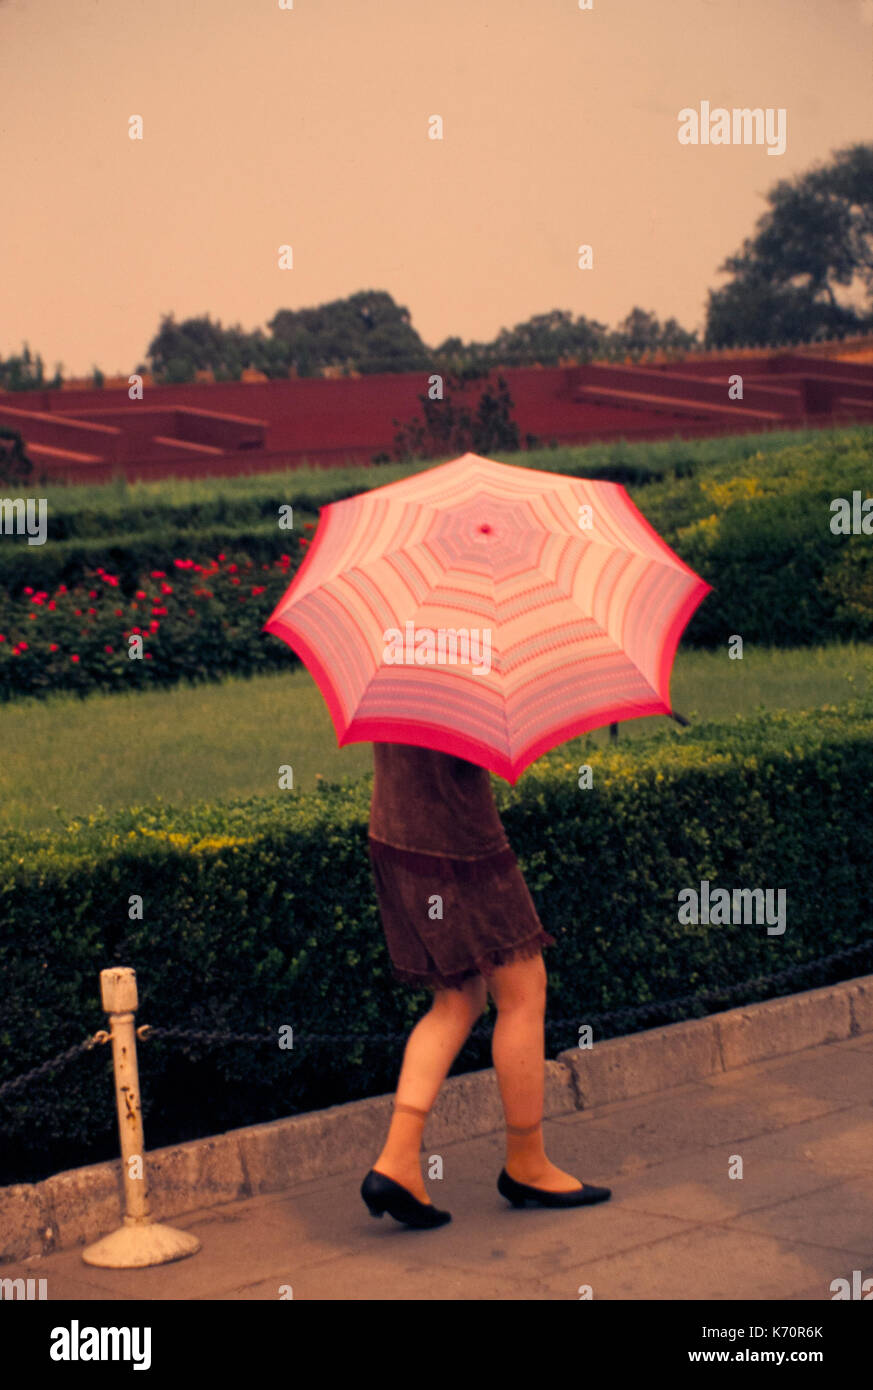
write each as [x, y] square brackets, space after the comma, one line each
[350, 419]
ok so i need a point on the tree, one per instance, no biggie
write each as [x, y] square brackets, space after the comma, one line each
[15, 467]
[493, 425]
[675, 340]
[179, 350]
[641, 334]
[26, 373]
[816, 238]
[449, 426]
[546, 339]
[638, 333]
[367, 332]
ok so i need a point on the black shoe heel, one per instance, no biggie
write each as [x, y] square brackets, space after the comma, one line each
[518, 1193]
[383, 1194]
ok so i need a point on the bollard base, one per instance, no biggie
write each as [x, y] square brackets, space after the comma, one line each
[140, 1245]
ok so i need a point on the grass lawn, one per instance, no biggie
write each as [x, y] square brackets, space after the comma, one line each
[228, 740]
[303, 484]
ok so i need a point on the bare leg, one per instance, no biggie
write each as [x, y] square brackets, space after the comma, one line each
[518, 1050]
[432, 1046]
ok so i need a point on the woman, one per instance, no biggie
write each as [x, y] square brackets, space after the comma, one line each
[459, 919]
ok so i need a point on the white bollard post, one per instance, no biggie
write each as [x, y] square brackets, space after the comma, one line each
[140, 1241]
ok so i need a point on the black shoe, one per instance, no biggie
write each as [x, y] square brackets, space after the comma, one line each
[518, 1193]
[383, 1194]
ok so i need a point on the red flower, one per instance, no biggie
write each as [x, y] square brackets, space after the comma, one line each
[119, 612]
[92, 593]
[232, 569]
[148, 656]
[74, 657]
[159, 574]
[140, 593]
[2, 638]
[258, 589]
[53, 646]
[78, 612]
[22, 646]
[154, 625]
[28, 589]
[107, 649]
[166, 588]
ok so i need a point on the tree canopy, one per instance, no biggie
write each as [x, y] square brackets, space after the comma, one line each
[807, 273]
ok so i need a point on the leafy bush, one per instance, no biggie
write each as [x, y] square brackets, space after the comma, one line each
[262, 913]
[757, 530]
[16, 468]
[195, 621]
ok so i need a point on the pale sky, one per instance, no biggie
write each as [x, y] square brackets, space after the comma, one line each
[309, 127]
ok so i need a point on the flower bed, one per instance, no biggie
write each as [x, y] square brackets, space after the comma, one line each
[195, 621]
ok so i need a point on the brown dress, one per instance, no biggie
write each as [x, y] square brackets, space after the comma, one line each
[453, 900]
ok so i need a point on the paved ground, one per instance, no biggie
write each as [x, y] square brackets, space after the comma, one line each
[677, 1227]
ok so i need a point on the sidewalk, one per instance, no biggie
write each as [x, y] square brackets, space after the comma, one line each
[677, 1227]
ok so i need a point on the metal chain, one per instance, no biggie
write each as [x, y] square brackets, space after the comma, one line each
[794, 974]
[224, 1036]
[629, 1013]
[634, 1013]
[54, 1063]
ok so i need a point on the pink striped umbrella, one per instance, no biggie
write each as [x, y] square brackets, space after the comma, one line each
[487, 610]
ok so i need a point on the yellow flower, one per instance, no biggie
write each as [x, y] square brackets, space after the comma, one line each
[195, 844]
[736, 489]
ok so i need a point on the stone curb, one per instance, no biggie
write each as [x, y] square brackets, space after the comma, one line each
[76, 1207]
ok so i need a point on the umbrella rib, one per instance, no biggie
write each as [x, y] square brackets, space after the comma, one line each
[446, 579]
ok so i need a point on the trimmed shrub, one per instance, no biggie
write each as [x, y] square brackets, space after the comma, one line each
[194, 620]
[262, 913]
[757, 531]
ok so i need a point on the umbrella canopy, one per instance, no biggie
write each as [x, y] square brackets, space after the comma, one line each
[487, 610]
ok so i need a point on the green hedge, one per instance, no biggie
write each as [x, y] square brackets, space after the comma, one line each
[77, 511]
[228, 504]
[131, 555]
[760, 534]
[196, 621]
[758, 531]
[263, 913]
[218, 513]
